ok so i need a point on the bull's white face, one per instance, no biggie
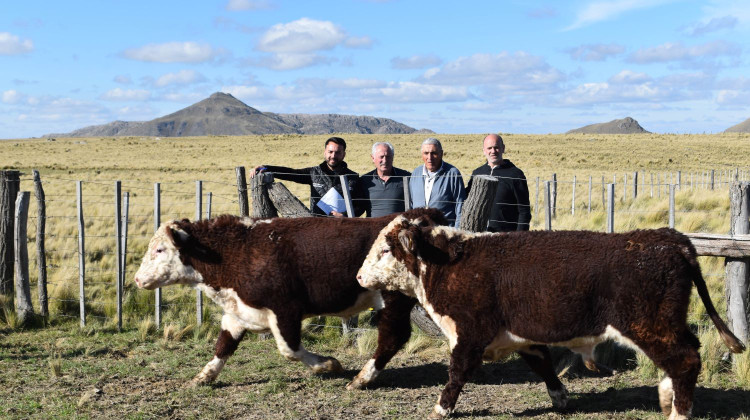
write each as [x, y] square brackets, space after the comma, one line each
[161, 266]
[382, 270]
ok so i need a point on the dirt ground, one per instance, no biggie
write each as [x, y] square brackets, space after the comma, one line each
[120, 375]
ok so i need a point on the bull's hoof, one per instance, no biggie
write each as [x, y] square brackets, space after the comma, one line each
[195, 383]
[355, 384]
[438, 413]
[559, 398]
[331, 365]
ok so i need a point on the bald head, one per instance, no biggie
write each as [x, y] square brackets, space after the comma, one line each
[493, 149]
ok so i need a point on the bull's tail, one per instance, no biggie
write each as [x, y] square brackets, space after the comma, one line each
[734, 343]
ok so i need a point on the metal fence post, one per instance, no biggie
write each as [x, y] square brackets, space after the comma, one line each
[611, 208]
[157, 222]
[81, 255]
[198, 212]
[671, 205]
[118, 246]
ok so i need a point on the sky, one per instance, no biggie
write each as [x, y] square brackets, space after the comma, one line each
[509, 66]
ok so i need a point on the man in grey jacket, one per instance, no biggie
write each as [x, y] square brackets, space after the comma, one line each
[437, 184]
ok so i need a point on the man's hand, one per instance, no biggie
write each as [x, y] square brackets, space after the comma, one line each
[337, 214]
[256, 170]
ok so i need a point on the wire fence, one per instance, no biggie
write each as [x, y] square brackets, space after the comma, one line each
[96, 231]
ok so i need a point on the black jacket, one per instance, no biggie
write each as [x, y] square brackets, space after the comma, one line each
[320, 179]
[511, 210]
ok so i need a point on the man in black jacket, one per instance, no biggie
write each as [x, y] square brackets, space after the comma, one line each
[321, 178]
[511, 210]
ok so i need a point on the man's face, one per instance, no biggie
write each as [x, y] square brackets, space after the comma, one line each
[493, 150]
[334, 154]
[432, 157]
[383, 160]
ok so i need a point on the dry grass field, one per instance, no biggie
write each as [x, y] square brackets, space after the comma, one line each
[47, 373]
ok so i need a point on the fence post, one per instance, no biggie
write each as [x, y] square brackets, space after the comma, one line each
[713, 177]
[157, 222]
[242, 191]
[407, 194]
[348, 325]
[198, 211]
[478, 205]
[81, 255]
[209, 198]
[652, 185]
[41, 253]
[9, 186]
[286, 203]
[624, 187]
[591, 184]
[24, 310]
[262, 204]
[635, 185]
[679, 180]
[671, 205]
[118, 246]
[737, 284]
[547, 206]
[573, 200]
[554, 195]
[604, 199]
[611, 208]
[124, 229]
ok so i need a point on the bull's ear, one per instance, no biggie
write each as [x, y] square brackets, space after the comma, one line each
[406, 238]
[455, 250]
[179, 237]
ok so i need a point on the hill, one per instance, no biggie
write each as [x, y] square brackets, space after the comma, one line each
[223, 114]
[623, 126]
[743, 127]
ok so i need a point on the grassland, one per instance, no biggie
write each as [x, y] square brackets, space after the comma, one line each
[67, 363]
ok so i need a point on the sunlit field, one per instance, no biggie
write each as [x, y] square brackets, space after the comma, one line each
[177, 163]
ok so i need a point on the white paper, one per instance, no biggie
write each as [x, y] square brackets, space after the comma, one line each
[332, 201]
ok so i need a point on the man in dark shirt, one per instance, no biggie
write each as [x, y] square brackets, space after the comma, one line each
[321, 178]
[380, 192]
[511, 210]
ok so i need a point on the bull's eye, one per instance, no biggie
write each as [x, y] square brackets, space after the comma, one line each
[384, 251]
[159, 250]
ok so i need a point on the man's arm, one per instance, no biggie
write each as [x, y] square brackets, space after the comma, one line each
[300, 176]
[460, 196]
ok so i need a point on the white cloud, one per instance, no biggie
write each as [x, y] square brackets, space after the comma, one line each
[182, 77]
[713, 25]
[732, 97]
[246, 92]
[628, 77]
[506, 72]
[417, 92]
[358, 42]
[118, 94]
[122, 79]
[607, 10]
[173, 52]
[290, 61]
[415, 62]
[12, 97]
[13, 45]
[676, 51]
[239, 5]
[595, 52]
[301, 36]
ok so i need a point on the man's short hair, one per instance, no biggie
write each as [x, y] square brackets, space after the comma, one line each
[382, 143]
[433, 141]
[337, 140]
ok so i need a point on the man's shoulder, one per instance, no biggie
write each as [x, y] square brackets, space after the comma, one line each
[418, 171]
[450, 168]
[511, 167]
[482, 170]
[400, 172]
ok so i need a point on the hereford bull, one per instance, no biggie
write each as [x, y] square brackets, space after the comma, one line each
[270, 274]
[492, 294]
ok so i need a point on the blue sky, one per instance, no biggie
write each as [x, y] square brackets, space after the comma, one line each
[676, 66]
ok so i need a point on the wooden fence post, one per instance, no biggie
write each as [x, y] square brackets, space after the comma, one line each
[262, 204]
[713, 178]
[737, 285]
[24, 310]
[81, 255]
[242, 191]
[10, 183]
[41, 253]
[407, 193]
[198, 211]
[679, 180]
[554, 195]
[635, 185]
[286, 203]
[478, 205]
[591, 184]
[157, 222]
[209, 198]
[118, 247]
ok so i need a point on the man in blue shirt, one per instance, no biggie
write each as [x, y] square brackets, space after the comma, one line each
[437, 184]
[380, 192]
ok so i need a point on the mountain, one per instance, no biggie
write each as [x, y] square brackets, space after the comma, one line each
[743, 127]
[223, 114]
[624, 126]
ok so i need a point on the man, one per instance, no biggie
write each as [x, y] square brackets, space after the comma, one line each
[511, 210]
[321, 178]
[380, 192]
[437, 184]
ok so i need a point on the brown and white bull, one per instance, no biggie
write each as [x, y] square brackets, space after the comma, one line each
[493, 294]
[270, 274]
